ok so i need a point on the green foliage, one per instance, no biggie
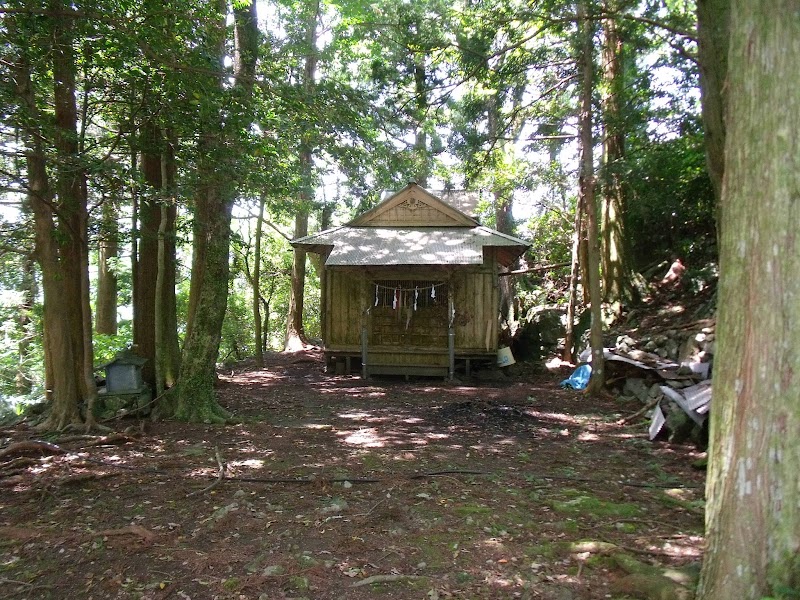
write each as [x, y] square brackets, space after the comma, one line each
[782, 592]
[550, 235]
[21, 352]
[237, 338]
[671, 203]
[106, 347]
[21, 349]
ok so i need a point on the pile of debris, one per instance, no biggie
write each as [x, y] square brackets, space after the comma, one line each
[670, 373]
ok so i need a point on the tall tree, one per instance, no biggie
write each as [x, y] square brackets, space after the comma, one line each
[44, 42]
[255, 282]
[147, 265]
[107, 254]
[572, 301]
[193, 398]
[295, 334]
[72, 195]
[752, 517]
[587, 194]
[713, 23]
[616, 278]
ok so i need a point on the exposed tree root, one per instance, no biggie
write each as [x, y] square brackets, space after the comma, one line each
[387, 579]
[210, 413]
[31, 448]
[19, 464]
[55, 422]
[19, 533]
[191, 406]
[220, 477]
[116, 439]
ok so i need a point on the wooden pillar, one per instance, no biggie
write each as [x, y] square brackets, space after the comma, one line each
[451, 334]
[364, 369]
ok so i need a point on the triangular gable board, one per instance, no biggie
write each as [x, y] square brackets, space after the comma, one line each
[413, 206]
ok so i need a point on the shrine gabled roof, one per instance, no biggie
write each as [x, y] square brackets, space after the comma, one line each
[413, 206]
[395, 246]
[411, 227]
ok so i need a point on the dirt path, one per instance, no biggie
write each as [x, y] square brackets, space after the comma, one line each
[433, 490]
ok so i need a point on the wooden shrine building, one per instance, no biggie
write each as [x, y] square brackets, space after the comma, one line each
[410, 287]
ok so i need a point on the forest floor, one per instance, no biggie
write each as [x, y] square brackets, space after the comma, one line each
[336, 487]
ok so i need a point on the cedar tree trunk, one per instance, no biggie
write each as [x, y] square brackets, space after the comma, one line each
[587, 198]
[106, 305]
[616, 279]
[753, 506]
[295, 332]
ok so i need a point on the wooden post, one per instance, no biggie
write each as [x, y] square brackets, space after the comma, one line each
[364, 371]
[451, 337]
[451, 350]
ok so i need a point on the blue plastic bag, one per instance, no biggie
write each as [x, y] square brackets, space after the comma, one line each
[579, 378]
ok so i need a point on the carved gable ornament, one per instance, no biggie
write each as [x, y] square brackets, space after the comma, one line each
[413, 203]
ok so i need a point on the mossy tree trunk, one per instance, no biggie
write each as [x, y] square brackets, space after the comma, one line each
[616, 275]
[193, 398]
[753, 498]
[168, 358]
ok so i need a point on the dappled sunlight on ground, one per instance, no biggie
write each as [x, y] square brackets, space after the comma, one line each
[476, 489]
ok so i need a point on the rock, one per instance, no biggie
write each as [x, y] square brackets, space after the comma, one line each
[540, 334]
[650, 587]
[254, 565]
[224, 511]
[684, 370]
[671, 346]
[688, 351]
[625, 343]
[336, 506]
[558, 593]
[655, 391]
[272, 571]
[637, 387]
[299, 582]
[680, 425]
[307, 560]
